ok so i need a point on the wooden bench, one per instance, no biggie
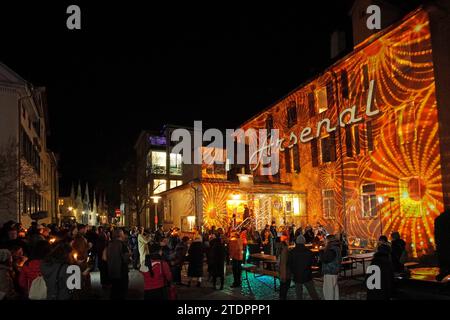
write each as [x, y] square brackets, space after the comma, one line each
[411, 264]
[347, 264]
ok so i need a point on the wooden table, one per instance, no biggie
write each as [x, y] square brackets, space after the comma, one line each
[269, 259]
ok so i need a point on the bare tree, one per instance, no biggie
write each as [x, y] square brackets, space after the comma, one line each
[10, 176]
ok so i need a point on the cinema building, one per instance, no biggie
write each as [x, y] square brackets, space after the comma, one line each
[366, 146]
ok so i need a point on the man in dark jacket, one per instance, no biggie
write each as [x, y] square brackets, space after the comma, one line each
[300, 263]
[442, 236]
[217, 255]
[178, 259]
[331, 264]
[118, 257]
[398, 252]
[382, 259]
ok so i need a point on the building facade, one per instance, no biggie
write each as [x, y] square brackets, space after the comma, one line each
[28, 170]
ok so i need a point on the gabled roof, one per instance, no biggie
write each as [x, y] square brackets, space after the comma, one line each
[9, 76]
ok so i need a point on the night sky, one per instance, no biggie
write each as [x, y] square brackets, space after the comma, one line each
[133, 67]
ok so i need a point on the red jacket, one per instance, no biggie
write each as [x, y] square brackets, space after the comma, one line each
[30, 271]
[161, 275]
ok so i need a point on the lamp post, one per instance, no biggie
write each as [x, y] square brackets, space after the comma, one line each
[155, 201]
[380, 202]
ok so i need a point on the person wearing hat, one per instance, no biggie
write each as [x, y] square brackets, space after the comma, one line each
[195, 257]
[7, 289]
[300, 262]
[157, 275]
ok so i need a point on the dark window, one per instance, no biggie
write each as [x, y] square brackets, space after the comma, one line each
[314, 153]
[369, 136]
[344, 84]
[348, 141]
[330, 93]
[325, 146]
[287, 159]
[357, 141]
[333, 146]
[311, 104]
[292, 114]
[365, 74]
[269, 123]
[296, 157]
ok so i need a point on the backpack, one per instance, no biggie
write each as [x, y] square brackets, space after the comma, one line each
[38, 289]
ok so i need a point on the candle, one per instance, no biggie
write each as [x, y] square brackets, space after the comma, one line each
[75, 256]
[52, 240]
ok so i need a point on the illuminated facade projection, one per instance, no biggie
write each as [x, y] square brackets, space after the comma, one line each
[363, 151]
[380, 171]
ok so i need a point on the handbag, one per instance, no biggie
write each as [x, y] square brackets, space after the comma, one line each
[38, 289]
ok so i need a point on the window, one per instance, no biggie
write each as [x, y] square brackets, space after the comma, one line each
[176, 164]
[159, 185]
[159, 162]
[344, 84]
[314, 153]
[329, 207]
[330, 96]
[322, 103]
[357, 140]
[411, 193]
[311, 104]
[175, 183]
[296, 158]
[365, 76]
[287, 159]
[348, 141]
[328, 148]
[369, 201]
[369, 136]
[292, 114]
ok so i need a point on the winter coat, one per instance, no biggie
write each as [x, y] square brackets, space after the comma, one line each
[309, 236]
[217, 257]
[382, 260]
[55, 276]
[300, 262]
[331, 258]
[235, 249]
[143, 245]
[398, 247]
[180, 254]
[7, 283]
[195, 258]
[30, 271]
[161, 275]
[283, 257]
[441, 228]
[118, 257]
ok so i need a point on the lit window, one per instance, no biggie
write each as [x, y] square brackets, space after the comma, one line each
[175, 183]
[176, 164]
[159, 186]
[159, 162]
[321, 96]
[411, 194]
[329, 206]
[369, 201]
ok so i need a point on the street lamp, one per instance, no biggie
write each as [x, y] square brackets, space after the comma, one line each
[155, 201]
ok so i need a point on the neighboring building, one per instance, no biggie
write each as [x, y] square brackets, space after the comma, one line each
[32, 186]
[79, 208]
[157, 170]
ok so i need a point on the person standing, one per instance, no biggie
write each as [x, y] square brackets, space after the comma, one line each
[300, 263]
[143, 240]
[118, 257]
[284, 272]
[195, 258]
[7, 288]
[442, 236]
[102, 243]
[235, 248]
[243, 235]
[157, 275]
[134, 247]
[217, 255]
[331, 263]
[178, 259]
[382, 259]
[399, 253]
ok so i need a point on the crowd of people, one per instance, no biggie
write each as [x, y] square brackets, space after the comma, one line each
[43, 253]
